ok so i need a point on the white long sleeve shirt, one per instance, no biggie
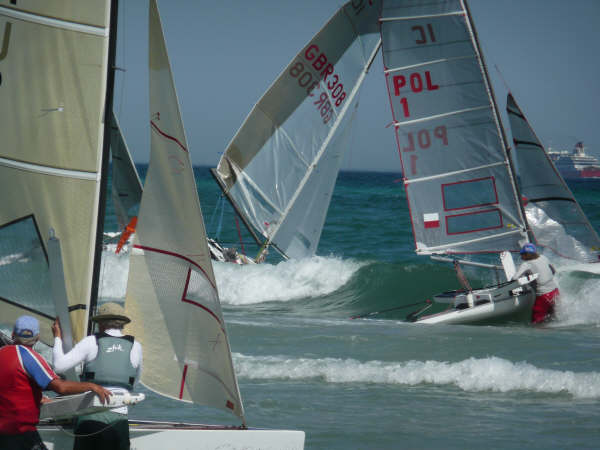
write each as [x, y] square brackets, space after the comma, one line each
[541, 266]
[86, 350]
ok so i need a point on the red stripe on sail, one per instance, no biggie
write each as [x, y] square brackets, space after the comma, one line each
[174, 139]
[230, 405]
[183, 381]
[187, 300]
[432, 224]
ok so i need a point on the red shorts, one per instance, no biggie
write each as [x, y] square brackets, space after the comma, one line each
[543, 307]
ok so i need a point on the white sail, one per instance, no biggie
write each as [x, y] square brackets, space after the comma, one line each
[459, 184]
[280, 168]
[126, 184]
[53, 88]
[554, 215]
[171, 292]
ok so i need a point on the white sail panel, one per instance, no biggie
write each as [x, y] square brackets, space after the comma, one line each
[279, 163]
[53, 72]
[451, 146]
[126, 184]
[171, 291]
[554, 215]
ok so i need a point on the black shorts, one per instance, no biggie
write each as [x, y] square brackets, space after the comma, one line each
[30, 440]
[92, 435]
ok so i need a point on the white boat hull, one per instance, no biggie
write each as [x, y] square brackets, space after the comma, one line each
[160, 436]
[503, 303]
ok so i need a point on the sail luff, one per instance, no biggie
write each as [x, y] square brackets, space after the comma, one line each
[502, 132]
[105, 158]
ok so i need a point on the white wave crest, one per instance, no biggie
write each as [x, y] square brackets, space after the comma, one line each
[249, 284]
[473, 374]
[579, 300]
[288, 280]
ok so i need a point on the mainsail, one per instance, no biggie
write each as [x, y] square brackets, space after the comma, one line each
[55, 86]
[554, 215]
[457, 174]
[126, 184]
[171, 292]
[280, 168]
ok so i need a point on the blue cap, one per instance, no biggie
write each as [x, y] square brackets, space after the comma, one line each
[528, 248]
[26, 327]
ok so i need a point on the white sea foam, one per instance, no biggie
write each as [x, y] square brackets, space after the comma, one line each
[113, 273]
[579, 300]
[286, 281]
[249, 284]
[473, 375]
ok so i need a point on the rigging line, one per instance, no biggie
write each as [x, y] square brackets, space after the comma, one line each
[358, 316]
[220, 225]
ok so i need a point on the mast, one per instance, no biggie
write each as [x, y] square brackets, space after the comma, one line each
[498, 119]
[108, 107]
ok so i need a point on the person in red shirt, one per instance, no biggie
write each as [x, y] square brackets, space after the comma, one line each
[24, 373]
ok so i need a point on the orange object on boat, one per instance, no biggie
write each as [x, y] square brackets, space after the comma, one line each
[128, 231]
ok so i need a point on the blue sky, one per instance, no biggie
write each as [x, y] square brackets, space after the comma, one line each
[226, 53]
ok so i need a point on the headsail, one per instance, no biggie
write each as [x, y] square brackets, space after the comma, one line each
[171, 292]
[458, 178]
[554, 215]
[280, 168]
[126, 184]
[53, 88]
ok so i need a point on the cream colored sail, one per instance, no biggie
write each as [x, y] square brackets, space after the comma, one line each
[53, 83]
[171, 292]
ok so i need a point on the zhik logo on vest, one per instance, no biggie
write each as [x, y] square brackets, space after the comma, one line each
[114, 348]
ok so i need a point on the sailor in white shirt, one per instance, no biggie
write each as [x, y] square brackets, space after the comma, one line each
[546, 289]
[110, 359]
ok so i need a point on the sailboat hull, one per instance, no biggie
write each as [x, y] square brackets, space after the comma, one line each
[507, 302]
[162, 435]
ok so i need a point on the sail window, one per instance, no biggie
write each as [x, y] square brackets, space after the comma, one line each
[24, 272]
[474, 221]
[469, 194]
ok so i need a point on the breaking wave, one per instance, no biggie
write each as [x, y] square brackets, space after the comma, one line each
[473, 375]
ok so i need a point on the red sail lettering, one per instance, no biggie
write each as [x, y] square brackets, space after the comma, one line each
[320, 62]
[399, 82]
[441, 133]
[430, 85]
[411, 143]
[311, 52]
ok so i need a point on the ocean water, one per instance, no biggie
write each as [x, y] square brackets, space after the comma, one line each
[381, 382]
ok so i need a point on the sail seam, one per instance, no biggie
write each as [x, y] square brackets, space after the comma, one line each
[470, 241]
[427, 63]
[440, 116]
[457, 172]
[45, 170]
[54, 23]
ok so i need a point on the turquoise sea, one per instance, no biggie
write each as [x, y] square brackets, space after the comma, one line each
[381, 382]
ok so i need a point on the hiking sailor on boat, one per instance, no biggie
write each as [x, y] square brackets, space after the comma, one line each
[546, 289]
[111, 359]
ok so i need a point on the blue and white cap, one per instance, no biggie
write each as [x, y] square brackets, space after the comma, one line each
[26, 327]
[528, 248]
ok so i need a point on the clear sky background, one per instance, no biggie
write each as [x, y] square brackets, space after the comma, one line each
[226, 53]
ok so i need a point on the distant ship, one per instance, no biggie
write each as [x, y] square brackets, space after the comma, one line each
[577, 165]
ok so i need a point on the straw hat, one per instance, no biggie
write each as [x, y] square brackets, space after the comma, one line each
[110, 311]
